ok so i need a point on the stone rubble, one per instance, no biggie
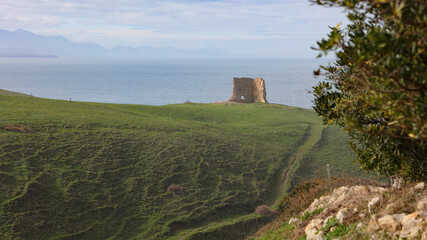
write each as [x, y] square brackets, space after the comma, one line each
[419, 186]
[368, 206]
[373, 203]
[343, 214]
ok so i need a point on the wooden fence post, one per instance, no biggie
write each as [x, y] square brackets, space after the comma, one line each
[328, 170]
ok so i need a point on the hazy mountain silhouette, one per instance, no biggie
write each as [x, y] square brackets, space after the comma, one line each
[21, 43]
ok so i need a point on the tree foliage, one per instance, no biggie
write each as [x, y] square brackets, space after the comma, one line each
[376, 88]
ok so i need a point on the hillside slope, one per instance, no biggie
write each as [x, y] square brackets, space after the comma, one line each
[358, 209]
[74, 170]
[10, 93]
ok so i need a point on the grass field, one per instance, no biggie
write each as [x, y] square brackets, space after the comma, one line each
[75, 170]
[10, 93]
[329, 150]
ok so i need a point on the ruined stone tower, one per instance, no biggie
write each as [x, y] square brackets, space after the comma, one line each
[248, 90]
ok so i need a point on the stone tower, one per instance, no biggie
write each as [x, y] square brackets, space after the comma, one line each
[248, 90]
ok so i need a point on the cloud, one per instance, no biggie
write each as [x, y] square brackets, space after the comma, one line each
[186, 15]
[136, 22]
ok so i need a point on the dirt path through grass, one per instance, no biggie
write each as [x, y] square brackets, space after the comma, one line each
[311, 140]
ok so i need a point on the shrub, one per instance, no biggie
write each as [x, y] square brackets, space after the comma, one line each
[376, 89]
[339, 231]
[332, 222]
[263, 210]
[175, 189]
[310, 214]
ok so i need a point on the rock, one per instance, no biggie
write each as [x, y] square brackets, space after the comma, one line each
[320, 235]
[419, 186]
[313, 205]
[411, 226]
[397, 183]
[422, 206]
[360, 190]
[341, 199]
[311, 230]
[424, 235]
[378, 189]
[391, 208]
[373, 203]
[341, 190]
[332, 199]
[376, 237]
[411, 191]
[317, 223]
[324, 198]
[311, 235]
[411, 229]
[388, 223]
[399, 217]
[373, 224]
[409, 217]
[310, 227]
[293, 220]
[344, 214]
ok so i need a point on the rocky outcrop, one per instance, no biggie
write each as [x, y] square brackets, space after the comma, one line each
[368, 212]
[248, 90]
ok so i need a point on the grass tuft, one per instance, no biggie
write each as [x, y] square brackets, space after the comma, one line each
[307, 215]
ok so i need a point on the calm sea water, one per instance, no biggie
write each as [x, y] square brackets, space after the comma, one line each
[158, 82]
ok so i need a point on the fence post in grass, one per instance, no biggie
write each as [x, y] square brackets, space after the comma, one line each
[328, 170]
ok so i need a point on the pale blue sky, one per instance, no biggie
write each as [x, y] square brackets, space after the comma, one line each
[263, 28]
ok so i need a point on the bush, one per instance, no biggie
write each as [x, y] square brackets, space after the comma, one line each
[311, 214]
[263, 210]
[377, 87]
[175, 189]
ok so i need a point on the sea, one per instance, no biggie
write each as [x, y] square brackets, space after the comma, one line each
[159, 81]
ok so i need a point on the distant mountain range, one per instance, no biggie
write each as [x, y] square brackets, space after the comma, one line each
[22, 43]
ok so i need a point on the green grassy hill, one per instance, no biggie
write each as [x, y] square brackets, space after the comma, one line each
[330, 149]
[75, 170]
[10, 93]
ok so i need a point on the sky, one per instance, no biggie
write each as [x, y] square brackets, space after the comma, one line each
[259, 28]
